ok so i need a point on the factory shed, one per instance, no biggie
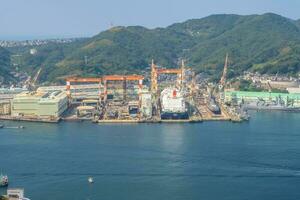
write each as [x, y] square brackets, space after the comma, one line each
[267, 96]
[39, 104]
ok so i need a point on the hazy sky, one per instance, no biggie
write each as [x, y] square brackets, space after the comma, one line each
[68, 18]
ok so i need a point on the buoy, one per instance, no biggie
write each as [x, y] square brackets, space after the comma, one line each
[90, 180]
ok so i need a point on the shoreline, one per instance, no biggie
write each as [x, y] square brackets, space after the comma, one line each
[117, 121]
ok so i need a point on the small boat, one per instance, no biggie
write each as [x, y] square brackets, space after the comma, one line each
[90, 180]
[15, 193]
[14, 127]
[3, 180]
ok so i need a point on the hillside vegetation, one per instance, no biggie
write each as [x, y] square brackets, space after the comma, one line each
[298, 22]
[266, 43]
[4, 66]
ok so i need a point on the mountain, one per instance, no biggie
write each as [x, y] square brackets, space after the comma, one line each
[298, 23]
[4, 66]
[267, 43]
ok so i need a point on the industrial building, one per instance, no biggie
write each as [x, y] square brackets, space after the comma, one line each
[79, 92]
[280, 84]
[295, 90]
[146, 106]
[39, 104]
[9, 93]
[4, 107]
[240, 96]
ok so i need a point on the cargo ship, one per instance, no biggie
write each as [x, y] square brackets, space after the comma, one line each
[213, 106]
[173, 105]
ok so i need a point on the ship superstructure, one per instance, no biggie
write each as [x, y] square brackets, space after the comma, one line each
[173, 105]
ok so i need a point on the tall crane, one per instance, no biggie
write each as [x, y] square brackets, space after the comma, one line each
[36, 76]
[154, 86]
[224, 75]
[32, 82]
[182, 75]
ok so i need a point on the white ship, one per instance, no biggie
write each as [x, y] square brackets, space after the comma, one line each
[173, 105]
[3, 180]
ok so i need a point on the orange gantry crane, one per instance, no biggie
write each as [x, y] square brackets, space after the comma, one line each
[123, 78]
[81, 80]
[105, 79]
[155, 72]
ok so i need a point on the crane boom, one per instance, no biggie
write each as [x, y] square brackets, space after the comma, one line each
[223, 78]
[36, 77]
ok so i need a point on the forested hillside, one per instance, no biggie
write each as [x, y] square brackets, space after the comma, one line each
[298, 22]
[266, 43]
[4, 65]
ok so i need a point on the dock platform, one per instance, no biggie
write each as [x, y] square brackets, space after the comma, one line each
[149, 121]
[29, 119]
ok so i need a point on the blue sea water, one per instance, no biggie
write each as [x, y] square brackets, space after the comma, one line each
[259, 159]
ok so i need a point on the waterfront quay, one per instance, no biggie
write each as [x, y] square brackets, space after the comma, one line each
[163, 95]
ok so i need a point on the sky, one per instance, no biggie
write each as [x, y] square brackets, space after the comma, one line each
[34, 19]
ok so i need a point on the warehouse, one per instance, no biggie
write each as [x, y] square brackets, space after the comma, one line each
[240, 96]
[4, 107]
[39, 104]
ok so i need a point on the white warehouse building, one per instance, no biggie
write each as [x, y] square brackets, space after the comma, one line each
[39, 104]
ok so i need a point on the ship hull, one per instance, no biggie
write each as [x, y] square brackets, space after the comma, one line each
[171, 115]
[215, 110]
[213, 107]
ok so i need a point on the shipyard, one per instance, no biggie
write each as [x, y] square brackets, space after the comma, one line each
[163, 94]
[146, 100]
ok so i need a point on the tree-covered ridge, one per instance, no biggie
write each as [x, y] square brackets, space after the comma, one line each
[4, 65]
[298, 23]
[266, 43]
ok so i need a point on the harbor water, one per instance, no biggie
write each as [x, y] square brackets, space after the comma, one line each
[257, 160]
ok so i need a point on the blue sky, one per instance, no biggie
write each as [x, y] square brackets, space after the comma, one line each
[72, 18]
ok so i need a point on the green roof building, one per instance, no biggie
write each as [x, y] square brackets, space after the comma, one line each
[240, 96]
